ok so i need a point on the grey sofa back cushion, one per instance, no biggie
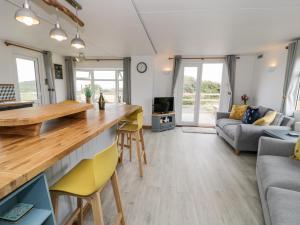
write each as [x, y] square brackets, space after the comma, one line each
[278, 119]
[263, 110]
[288, 121]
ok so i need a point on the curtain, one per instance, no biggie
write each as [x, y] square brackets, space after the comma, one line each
[127, 80]
[50, 76]
[70, 78]
[176, 68]
[228, 95]
[291, 81]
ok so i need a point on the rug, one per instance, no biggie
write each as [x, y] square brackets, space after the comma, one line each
[202, 130]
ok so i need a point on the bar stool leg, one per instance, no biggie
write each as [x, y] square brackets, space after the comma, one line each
[97, 209]
[122, 147]
[80, 216]
[138, 151]
[117, 194]
[130, 147]
[143, 145]
[54, 199]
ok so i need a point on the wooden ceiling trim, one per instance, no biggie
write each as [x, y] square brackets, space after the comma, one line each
[65, 10]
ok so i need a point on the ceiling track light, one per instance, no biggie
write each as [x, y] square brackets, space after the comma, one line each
[77, 42]
[26, 15]
[57, 32]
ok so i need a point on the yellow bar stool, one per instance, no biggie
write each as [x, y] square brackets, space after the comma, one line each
[85, 181]
[130, 119]
[134, 129]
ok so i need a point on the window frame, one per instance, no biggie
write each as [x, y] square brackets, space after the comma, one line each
[91, 72]
[39, 89]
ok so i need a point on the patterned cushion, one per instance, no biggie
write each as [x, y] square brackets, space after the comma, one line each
[237, 112]
[278, 119]
[251, 115]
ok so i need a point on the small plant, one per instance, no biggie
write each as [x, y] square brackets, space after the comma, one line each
[245, 98]
[88, 92]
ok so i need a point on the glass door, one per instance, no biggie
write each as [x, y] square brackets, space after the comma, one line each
[210, 88]
[199, 96]
[190, 94]
[29, 86]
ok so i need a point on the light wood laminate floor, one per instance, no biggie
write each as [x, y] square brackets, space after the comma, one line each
[191, 179]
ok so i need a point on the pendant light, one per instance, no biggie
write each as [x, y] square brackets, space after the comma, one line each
[57, 32]
[26, 15]
[77, 42]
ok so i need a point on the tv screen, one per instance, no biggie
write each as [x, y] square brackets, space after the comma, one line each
[163, 104]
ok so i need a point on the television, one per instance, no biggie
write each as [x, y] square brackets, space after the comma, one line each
[163, 104]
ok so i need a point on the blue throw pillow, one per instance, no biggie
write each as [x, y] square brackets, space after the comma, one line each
[251, 115]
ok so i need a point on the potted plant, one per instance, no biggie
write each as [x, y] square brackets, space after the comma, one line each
[88, 92]
[245, 98]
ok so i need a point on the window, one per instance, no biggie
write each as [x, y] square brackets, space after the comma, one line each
[109, 82]
[29, 88]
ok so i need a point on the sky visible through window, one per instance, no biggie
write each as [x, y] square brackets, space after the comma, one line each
[26, 70]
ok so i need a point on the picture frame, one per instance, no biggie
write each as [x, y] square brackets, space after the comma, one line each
[58, 71]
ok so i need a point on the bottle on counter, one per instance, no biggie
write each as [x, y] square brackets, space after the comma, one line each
[101, 102]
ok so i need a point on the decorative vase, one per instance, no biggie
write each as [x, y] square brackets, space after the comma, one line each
[101, 102]
[88, 100]
[245, 102]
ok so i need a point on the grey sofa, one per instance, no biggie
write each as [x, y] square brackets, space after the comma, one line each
[245, 137]
[278, 181]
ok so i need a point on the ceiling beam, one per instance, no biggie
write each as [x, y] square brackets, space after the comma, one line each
[144, 26]
[74, 3]
[64, 10]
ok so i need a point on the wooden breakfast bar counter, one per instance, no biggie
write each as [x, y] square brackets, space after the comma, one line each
[61, 144]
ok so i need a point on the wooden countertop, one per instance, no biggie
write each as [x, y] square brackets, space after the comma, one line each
[34, 115]
[23, 158]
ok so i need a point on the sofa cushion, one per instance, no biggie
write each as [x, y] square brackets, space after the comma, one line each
[251, 115]
[263, 110]
[278, 119]
[267, 119]
[224, 122]
[237, 112]
[283, 206]
[230, 130]
[277, 171]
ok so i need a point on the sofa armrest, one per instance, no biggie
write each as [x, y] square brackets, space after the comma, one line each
[222, 115]
[273, 146]
[247, 135]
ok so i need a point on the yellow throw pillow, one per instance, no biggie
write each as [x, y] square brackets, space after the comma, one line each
[267, 119]
[297, 150]
[237, 112]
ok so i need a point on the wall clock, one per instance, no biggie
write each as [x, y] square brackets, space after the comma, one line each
[141, 67]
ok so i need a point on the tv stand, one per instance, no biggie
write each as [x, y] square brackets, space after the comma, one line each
[163, 121]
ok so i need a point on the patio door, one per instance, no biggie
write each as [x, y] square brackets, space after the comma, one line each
[199, 92]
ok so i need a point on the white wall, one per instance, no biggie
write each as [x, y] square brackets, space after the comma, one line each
[108, 64]
[163, 76]
[156, 82]
[142, 85]
[60, 84]
[244, 78]
[7, 73]
[268, 83]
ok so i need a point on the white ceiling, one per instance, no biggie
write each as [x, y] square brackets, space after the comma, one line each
[187, 27]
